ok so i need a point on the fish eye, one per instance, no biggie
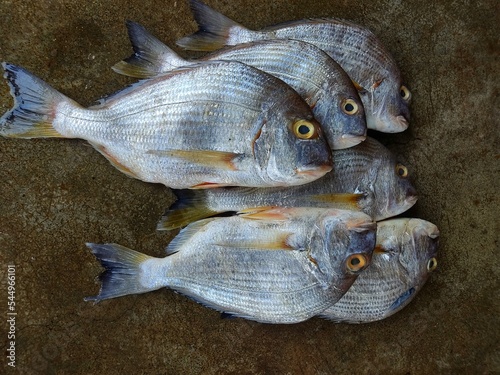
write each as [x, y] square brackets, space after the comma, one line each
[432, 264]
[401, 170]
[304, 129]
[405, 93]
[356, 262]
[350, 107]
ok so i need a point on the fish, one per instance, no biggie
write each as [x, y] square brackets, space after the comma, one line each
[355, 48]
[276, 266]
[405, 255]
[318, 79]
[366, 178]
[210, 125]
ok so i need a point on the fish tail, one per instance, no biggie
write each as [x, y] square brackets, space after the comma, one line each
[190, 206]
[151, 57]
[213, 29]
[122, 275]
[34, 107]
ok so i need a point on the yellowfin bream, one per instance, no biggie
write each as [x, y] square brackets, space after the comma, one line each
[277, 266]
[216, 124]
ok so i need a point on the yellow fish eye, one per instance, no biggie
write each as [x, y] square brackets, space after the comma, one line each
[356, 262]
[405, 93]
[401, 170]
[432, 264]
[350, 107]
[304, 129]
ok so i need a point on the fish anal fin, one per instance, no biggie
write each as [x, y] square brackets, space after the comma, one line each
[114, 162]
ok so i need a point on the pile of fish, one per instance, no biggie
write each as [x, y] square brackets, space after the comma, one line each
[271, 131]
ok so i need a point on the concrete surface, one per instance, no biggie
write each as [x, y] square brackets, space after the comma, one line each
[58, 194]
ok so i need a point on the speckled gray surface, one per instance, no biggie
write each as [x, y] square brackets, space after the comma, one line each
[58, 194]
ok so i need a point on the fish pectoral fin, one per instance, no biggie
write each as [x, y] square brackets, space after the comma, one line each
[346, 198]
[214, 159]
[114, 162]
[274, 241]
[264, 213]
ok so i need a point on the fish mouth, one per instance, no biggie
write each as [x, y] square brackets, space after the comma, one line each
[349, 140]
[402, 123]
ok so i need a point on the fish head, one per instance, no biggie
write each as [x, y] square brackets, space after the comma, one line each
[406, 253]
[387, 106]
[341, 114]
[393, 191]
[291, 149]
[343, 244]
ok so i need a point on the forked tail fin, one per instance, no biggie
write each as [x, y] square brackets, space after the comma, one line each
[35, 104]
[190, 206]
[214, 29]
[122, 275]
[151, 57]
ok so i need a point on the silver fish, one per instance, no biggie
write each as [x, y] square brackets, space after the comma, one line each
[278, 266]
[358, 51]
[404, 257]
[366, 178]
[216, 124]
[317, 78]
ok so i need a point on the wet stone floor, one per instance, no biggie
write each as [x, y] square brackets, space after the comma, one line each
[55, 195]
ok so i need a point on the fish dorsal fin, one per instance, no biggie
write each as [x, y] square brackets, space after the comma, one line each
[151, 57]
[213, 29]
[185, 234]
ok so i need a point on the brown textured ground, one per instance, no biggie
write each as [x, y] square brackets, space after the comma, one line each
[58, 194]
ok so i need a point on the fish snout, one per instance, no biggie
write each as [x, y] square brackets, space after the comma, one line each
[402, 122]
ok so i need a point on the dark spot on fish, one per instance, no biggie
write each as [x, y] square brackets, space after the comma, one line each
[476, 202]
